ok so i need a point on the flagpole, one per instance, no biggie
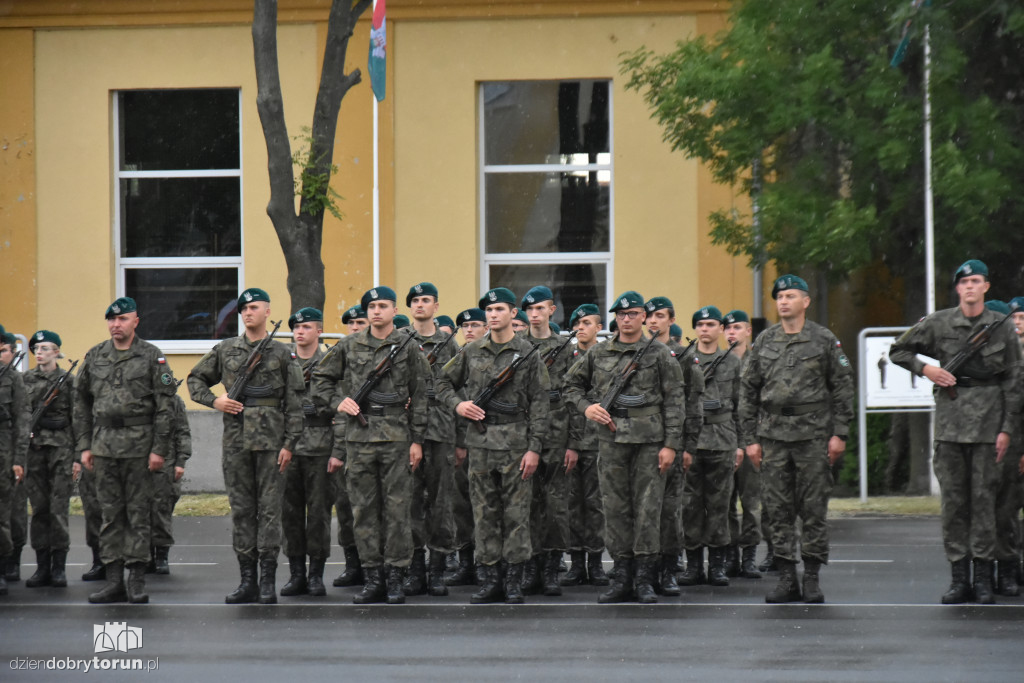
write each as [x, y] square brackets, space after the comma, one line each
[376, 185]
[929, 204]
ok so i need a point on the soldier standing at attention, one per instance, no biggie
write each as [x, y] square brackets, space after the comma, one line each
[972, 430]
[17, 506]
[50, 458]
[167, 490]
[261, 430]
[381, 453]
[123, 411]
[635, 458]
[306, 507]
[15, 413]
[504, 448]
[796, 403]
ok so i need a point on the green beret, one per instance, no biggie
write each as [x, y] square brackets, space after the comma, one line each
[628, 299]
[250, 295]
[736, 316]
[422, 289]
[9, 339]
[1017, 302]
[2, 330]
[305, 315]
[554, 328]
[657, 303]
[521, 316]
[124, 304]
[444, 321]
[378, 294]
[706, 313]
[582, 310]
[613, 326]
[498, 295]
[43, 336]
[998, 306]
[354, 313]
[472, 314]
[537, 295]
[789, 282]
[971, 267]
[675, 332]
[401, 321]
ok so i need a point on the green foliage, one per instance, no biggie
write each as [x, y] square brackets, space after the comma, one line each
[878, 454]
[313, 181]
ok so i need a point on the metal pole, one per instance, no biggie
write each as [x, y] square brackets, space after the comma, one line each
[376, 196]
[929, 229]
[755, 193]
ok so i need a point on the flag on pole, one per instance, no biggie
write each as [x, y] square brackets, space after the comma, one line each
[378, 51]
[901, 49]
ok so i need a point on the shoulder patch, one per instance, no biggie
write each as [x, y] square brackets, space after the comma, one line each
[293, 355]
[844, 361]
[165, 378]
[161, 360]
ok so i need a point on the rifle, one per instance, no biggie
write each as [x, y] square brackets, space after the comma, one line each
[552, 354]
[976, 342]
[251, 363]
[434, 352]
[483, 399]
[14, 361]
[689, 347]
[51, 393]
[620, 382]
[377, 374]
[709, 369]
[307, 374]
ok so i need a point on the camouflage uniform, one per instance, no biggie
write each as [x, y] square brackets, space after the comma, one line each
[342, 505]
[123, 411]
[271, 420]
[745, 525]
[167, 491]
[796, 393]
[672, 521]
[586, 531]
[15, 413]
[50, 458]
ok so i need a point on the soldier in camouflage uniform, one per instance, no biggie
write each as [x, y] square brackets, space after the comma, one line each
[167, 490]
[93, 517]
[796, 403]
[14, 428]
[10, 565]
[973, 431]
[50, 457]
[660, 316]
[586, 515]
[380, 454]
[635, 458]
[504, 448]
[306, 510]
[261, 430]
[122, 416]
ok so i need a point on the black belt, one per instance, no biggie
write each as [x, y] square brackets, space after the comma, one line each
[792, 410]
[381, 411]
[503, 419]
[635, 412]
[974, 382]
[120, 422]
[52, 422]
[555, 396]
[717, 418]
[317, 420]
[254, 402]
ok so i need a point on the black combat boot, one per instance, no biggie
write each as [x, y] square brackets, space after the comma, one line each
[396, 585]
[465, 573]
[693, 575]
[716, 566]
[490, 587]
[247, 590]
[95, 572]
[136, 588]
[769, 564]
[268, 579]
[13, 568]
[160, 559]
[416, 579]
[812, 587]
[514, 584]
[353, 574]
[151, 565]
[646, 574]
[58, 571]
[552, 582]
[960, 587]
[435, 577]
[787, 589]
[374, 589]
[621, 582]
[533, 574]
[3, 585]
[315, 584]
[113, 590]
[732, 560]
[42, 575]
[451, 561]
[595, 569]
[1007, 584]
[296, 584]
[983, 594]
[577, 573]
[668, 585]
[748, 566]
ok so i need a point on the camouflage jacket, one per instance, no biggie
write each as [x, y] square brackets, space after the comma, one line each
[795, 387]
[582, 432]
[273, 418]
[55, 423]
[721, 431]
[440, 421]
[15, 414]
[693, 391]
[978, 413]
[317, 430]
[557, 435]
[396, 409]
[656, 390]
[135, 385]
[522, 402]
[181, 437]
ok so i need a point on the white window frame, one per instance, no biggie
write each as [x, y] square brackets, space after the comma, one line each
[122, 264]
[542, 258]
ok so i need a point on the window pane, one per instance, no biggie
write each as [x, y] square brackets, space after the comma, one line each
[547, 212]
[184, 303]
[180, 217]
[545, 122]
[572, 285]
[178, 129]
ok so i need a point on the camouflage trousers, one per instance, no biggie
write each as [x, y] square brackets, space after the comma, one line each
[1009, 502]
[433, 525]
[501, 506]
[343, 509]
[968, 477]
[549, 509]
[124, 489]
[19, 512]
[90, 508]
[380, 491]
[672, 509]
[461, 506]
[166, 493]
[49, 488]
[632, 492]
[306, 507]
[707, 489]
[796, 481]
[586, 515]
[745, 528]
[7, 486]
[254, 483]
